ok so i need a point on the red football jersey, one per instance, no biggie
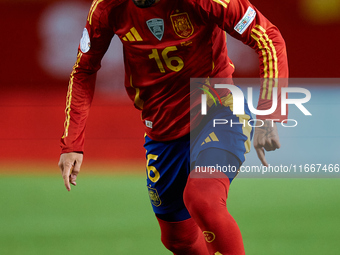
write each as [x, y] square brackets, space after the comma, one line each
[164, 46]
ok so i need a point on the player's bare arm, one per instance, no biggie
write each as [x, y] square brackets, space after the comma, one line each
[69, 165]
[266, 138]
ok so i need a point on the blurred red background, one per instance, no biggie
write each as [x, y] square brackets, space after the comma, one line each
[38, 45]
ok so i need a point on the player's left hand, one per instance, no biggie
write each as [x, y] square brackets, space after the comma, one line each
[69, 165]
[266, 138]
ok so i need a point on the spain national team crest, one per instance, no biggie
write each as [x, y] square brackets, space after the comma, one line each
[154, 197]
[182, 25]
[156, 27]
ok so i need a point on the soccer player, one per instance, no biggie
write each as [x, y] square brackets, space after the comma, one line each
[167, 42]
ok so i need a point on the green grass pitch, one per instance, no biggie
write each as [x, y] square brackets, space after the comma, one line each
[111, 214]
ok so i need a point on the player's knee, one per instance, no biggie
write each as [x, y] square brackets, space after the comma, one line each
[178, 246]
[179, 237]
[203, 195]
[194, 197]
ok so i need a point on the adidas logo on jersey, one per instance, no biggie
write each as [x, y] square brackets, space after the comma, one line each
[211, 138]
[132, 36]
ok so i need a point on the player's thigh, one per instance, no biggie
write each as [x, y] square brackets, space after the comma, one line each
[232, 137]
[167, 171]
[216, 163]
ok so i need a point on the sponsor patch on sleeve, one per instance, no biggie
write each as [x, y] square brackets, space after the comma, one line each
[246, 20]
[85, 43]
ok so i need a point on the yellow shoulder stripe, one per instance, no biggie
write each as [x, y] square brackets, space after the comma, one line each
[224, 3]
[92, 9]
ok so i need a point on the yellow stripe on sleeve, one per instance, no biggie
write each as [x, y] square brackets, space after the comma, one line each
[265, 70]
[273, 49]
[266, 45]
[264, 55]
[69, 97]
[93, 8]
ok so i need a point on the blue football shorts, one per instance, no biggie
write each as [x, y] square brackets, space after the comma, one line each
[169, 163]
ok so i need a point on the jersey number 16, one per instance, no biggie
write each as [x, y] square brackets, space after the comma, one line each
[169, 61]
